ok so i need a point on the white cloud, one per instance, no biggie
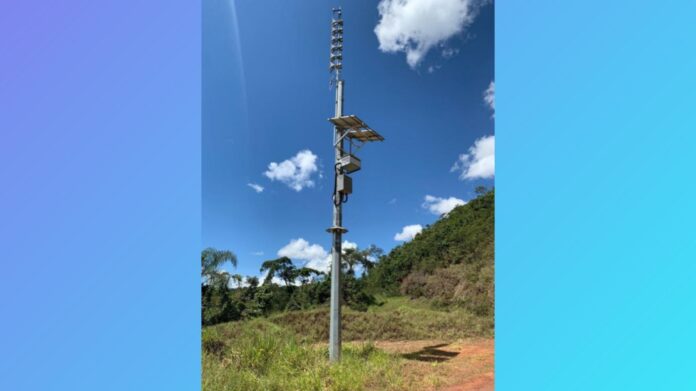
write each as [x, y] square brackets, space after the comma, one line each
[348, 245]
[320, 264]
[479, 162]
[295, 172]
[489, 96]
[257, 253]
[416, 26]
[433, 68]
[302, 250]
[257, 188]
[245, 283]
[408, 232]
[449, 52]
[316, 256]
[439, 206]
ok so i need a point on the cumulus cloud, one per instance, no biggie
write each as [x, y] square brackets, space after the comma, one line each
[314, 255]
[416, 26]
[489, 96]
[479, 162]
[408, 232]
[348, 245]
[320, 264]
[257, 188]
[302, 250]
[439, 206]
[295, 172]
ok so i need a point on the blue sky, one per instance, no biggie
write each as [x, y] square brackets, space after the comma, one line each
[419, 75]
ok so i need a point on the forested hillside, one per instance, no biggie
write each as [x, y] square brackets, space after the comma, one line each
[451, 261]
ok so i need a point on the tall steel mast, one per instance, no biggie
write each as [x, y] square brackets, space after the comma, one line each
[356, 132]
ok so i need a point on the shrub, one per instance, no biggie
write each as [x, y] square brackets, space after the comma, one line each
[212, 343]
[469, 286]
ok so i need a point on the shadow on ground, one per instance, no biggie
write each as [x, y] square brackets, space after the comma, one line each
[431, 354]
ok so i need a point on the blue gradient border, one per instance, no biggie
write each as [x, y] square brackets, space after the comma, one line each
[99, 195]
[595, 139]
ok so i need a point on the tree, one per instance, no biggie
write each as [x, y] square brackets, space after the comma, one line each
[261, 302]
[281, 268]
[369, 255]
[253, 281]
[305, 274]
[353, 257]
[212, 259]
[215, 302]
[219, 280]
[288, 273]
[237, 279]
[481, 190]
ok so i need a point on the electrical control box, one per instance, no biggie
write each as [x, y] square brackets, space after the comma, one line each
[350, 163]
[344, 184]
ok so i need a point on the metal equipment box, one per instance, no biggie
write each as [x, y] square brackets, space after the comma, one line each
[350, 163]
[344, 184]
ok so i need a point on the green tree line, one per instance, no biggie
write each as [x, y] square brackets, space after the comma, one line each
[450, 262]
[228, 297]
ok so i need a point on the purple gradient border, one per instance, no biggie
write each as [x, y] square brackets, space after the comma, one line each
[99, 195]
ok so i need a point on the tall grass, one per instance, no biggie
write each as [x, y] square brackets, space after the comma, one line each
[396, 319]
[260, 355]
[281, 352]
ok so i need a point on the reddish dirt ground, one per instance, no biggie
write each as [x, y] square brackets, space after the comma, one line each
[464, 365]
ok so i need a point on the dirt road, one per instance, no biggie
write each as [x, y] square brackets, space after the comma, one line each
[464, 365]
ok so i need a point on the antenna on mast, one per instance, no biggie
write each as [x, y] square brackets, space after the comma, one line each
[336, 54]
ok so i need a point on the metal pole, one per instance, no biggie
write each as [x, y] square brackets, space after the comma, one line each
[335, 325]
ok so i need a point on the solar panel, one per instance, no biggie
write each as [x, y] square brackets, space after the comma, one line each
[358, 129]
[366, 135]
[348, 122]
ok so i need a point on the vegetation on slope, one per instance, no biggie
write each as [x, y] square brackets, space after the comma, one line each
[259, 355]
[451, 262]
[397, 318]
[288, 351]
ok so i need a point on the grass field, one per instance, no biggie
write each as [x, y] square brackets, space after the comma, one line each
[259, 355]
[396, 318]
[283, 352]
